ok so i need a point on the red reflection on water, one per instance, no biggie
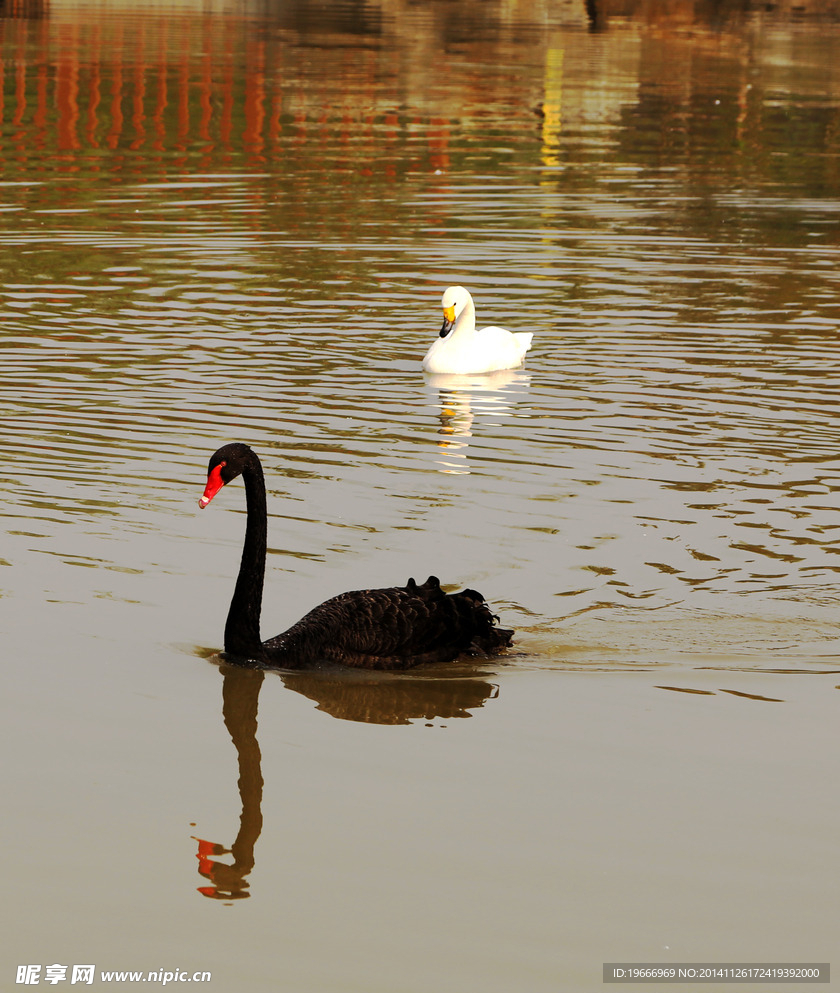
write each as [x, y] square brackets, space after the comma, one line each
[207, 84]
[67, 86]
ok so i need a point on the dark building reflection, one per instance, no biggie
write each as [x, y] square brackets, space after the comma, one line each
[342, 95]
[32, 9]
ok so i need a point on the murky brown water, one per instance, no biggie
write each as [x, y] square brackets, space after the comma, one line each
[225, 222]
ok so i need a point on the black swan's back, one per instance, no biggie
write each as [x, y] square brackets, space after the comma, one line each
[394, 628]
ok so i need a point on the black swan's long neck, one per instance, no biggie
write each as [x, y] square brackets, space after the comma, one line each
[242, 630]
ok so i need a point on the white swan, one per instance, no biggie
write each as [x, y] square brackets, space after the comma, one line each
[462, 350]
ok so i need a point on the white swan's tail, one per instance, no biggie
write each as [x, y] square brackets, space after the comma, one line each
[523, 339]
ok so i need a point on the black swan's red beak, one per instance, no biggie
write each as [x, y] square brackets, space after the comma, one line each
[214, 484]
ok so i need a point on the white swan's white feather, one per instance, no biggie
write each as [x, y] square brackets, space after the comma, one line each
[465, 351]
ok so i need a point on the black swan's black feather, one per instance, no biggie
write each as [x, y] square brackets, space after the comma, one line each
[394, 628]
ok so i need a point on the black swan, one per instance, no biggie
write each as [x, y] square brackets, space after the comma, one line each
[394, 628]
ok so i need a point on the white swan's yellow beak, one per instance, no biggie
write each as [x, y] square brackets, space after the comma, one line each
[448, 320]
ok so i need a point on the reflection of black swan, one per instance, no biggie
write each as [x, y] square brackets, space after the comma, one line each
[392, 698]
[394, 628]
[240, 697]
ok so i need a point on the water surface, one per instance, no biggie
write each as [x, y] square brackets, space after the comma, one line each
[228, 222]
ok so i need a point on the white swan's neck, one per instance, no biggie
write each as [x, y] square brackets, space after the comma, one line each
[464, 322]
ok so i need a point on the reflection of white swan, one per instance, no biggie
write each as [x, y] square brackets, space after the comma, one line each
[493, 389]
[461, 349]
[461, 398]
